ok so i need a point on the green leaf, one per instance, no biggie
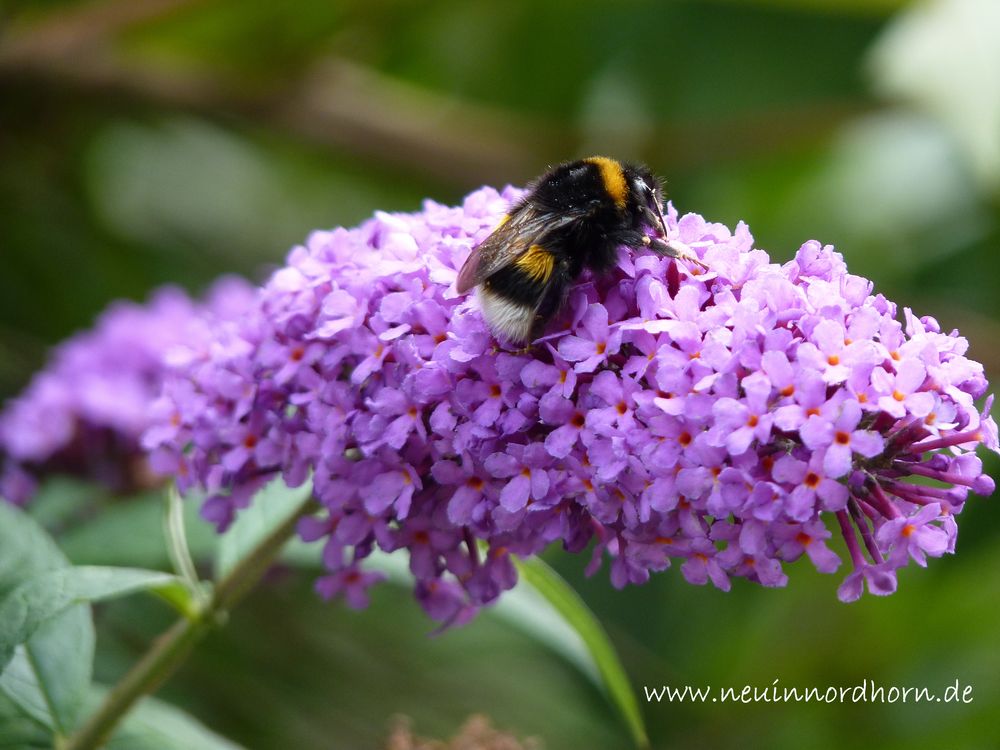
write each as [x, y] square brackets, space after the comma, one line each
[62, 500]
[568, 604]
[545, 607]
[524, 607]
[305, 555]
[45, 595]
[25, 548]
[19, 731]
[309, 556]
[51, 672]
[155, 725]
[271, 507]
[49, 675]
[183, 598]
[130, 534]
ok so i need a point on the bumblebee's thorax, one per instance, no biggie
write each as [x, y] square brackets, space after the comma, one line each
[601, 188]
[596, 183]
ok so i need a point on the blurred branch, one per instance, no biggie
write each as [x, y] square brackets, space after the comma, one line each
[355, 107]
[337, 103]
[346, 106]
[72, 30]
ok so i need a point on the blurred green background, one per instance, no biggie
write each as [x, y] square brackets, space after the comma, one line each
[147, 141]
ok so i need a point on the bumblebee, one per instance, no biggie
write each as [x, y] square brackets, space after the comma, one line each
[574, 217]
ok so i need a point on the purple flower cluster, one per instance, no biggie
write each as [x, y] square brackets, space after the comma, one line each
[721, 418]
[86, 411]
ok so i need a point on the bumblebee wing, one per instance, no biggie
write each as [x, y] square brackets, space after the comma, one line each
[525, 227]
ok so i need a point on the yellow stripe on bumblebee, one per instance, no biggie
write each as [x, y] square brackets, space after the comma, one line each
[536, 262]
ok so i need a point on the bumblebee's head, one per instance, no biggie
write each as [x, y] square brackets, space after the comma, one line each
[645, 198]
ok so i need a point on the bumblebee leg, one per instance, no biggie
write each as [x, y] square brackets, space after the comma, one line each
[673, 248]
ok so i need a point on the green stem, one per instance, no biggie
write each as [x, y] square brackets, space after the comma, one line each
[170, 650]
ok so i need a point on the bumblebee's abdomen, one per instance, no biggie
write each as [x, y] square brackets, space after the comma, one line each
[514, 296]
[517, 284]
